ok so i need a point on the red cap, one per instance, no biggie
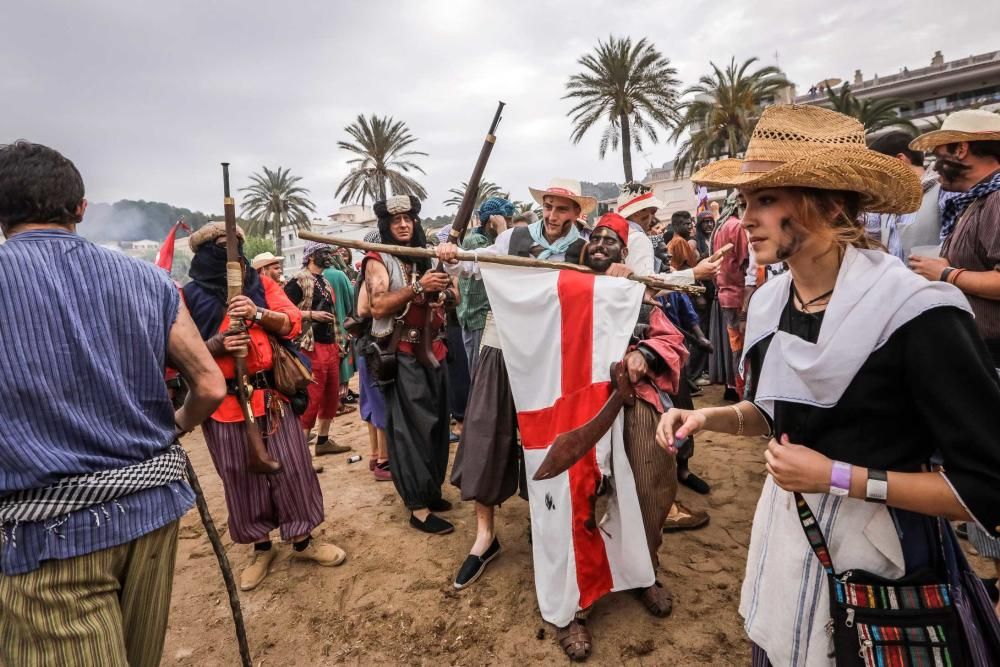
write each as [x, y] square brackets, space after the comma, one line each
[615, 223]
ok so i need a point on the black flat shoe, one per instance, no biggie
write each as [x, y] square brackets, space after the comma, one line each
[695, 483]
[434, 525]
[474, 566]
[439, 505]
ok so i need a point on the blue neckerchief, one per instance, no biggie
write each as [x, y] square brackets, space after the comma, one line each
[560, 246]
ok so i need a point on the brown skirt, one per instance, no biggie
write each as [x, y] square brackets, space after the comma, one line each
[488, 465]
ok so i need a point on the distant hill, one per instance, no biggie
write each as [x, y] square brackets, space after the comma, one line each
[600, 190]
[129, 220]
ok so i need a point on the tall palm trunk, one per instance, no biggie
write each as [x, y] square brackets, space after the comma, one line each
[382, 193]
[626, 147]
[276, 224]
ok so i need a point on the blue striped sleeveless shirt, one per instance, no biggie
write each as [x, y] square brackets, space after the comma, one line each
[83, 337]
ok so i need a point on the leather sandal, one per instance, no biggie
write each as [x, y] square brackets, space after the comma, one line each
[575, 641]
[658, 600]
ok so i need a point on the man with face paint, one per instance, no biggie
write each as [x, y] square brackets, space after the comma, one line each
[655, 361]
[967, 158]
[322, 340]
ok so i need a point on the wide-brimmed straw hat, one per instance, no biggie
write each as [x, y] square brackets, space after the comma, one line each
[567, 188]
[265, 259]
[812, 147]
[965, 125]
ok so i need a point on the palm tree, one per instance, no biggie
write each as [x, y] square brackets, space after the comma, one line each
[722, 110]
[631, 85]
[522, 207]
[873, 114]
[382, 146]
[486, 190]
[272, 201]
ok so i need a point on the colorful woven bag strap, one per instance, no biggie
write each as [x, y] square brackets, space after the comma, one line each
[813, 534]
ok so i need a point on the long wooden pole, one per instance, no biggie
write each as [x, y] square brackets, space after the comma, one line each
[507, 260]
[227, 572]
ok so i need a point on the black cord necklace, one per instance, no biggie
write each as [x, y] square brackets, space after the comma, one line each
[803, 304]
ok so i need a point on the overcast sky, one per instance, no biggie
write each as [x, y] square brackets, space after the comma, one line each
[148, 97]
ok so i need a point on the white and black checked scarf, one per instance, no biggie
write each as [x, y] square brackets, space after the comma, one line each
[83, 491]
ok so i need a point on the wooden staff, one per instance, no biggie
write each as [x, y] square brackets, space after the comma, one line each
[507, 260]
[227, 571]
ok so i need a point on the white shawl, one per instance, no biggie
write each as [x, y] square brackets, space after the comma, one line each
[784, 601]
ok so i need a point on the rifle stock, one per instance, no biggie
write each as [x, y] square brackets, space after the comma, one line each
[258, 459]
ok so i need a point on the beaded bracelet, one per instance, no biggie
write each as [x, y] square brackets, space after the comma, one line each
[739, 415]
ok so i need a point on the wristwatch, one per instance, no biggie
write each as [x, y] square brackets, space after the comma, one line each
[840, 479]
[417, 288]
[878, 486]
[259, 315]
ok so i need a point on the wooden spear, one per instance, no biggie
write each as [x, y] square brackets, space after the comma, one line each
[507, 260]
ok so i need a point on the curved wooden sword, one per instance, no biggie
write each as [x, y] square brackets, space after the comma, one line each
[570, 447]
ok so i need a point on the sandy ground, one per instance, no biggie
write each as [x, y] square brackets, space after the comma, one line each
[393, 602]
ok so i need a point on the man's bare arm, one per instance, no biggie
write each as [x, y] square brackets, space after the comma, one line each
[207, 387]
[382, 302]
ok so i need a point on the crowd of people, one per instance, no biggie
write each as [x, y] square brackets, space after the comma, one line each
[844, 296]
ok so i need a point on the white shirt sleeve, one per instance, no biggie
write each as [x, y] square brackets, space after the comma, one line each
[640, 253]
[470, 269]
[682, 277]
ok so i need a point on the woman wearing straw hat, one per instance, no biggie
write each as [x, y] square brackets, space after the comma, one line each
[840, 353]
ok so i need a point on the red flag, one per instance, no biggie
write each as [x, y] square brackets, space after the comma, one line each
[165, 256]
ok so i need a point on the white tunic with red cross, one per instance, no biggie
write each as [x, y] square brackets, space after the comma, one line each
[560, 332]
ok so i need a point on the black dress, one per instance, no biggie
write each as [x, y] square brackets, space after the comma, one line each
[930, 391]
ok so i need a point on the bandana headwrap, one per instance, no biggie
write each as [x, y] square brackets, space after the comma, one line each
[955, 207]
[312, 247]
[495, 206]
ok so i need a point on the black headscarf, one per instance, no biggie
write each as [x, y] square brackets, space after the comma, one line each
[205, 295]
[417, 240]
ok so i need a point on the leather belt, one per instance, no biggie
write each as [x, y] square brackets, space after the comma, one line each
[259, 380]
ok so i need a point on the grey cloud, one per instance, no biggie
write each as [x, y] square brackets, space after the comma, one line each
[148, 97]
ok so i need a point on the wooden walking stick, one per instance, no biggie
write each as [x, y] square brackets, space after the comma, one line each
[227, 571]
[508, 260]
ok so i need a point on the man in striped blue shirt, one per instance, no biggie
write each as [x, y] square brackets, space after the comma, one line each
[91, 481]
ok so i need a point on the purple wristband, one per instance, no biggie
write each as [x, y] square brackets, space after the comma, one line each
[840, 478]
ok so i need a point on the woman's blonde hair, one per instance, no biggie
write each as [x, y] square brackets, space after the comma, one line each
[836, 212]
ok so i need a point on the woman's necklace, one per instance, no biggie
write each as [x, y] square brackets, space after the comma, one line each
[804, 305]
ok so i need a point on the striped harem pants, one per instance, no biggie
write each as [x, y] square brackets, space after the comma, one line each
[654, 470]
[107, 608]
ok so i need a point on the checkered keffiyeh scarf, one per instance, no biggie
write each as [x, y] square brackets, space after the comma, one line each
[83, 491]
[955, 207]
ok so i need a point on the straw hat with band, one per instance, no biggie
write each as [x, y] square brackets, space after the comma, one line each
[566, 188]
[631, 202]
[265, 259]
[812, 147]
[965, 125]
